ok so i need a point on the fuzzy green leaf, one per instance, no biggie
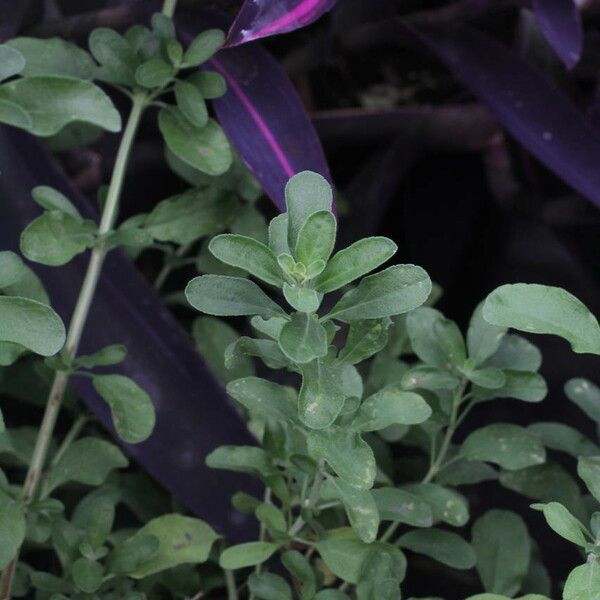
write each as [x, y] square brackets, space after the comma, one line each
[365, 338]
[316, 238]
[264, 398]
[268, 586]
[210, 84]
[303, 339]
[522, 385]
[561, 437]
[444, 546]
[321, 396]
[562, 522]
[191, 103]
[87, 575]
[203, 47]
[583, 583]
[154, 73]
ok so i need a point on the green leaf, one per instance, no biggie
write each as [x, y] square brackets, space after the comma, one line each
[264, 398]
[220, 295]
[53, 56]
[12, 268]
[53, 102]
[278, 228]
[346, 453]
[562, 522]
[163, 26]
[88, 461]
[242, 459]
[316, 238]
[52, 199]
[510, 446]
[95, 515]
[303, 339]
[522, 385]
[396, 290]
[360, 506]
[483, 339]
[429, 378]
[133, 553]
[204, 148]
[396, 504]
[210, 83]
[248, 254]
[12, 61]
[503, 548]
[466, 472]
[203, 47]
[446, 504]
[444, 546]
[31, 324]
[246, 555]
[109, 355]
[544, 309]
[117, 57]
[516, 353]
[131, 408]
[305, 193]
[300, 568]
[321, 396]
[490, 378]
[87, 575]
[365, 338]
[345, 555]
[588, 468]
[191, 103]
[268, 586]
[561, 437]
[586, 395]
[13, 114]
[271, 517]
[390, 406]
[583, 583]
[181, 540]
[301, 299]
[213, 337]
[355, 261]
[436, 340]
[187, 217]
[12, 529]
[267, 350]
[154, 73]
[55, 237]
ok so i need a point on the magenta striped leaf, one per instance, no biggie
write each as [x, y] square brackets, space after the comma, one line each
[262, 18]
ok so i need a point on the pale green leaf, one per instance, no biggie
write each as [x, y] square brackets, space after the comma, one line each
[586, 395]
[316, 238]
[12, 268]
[303, 339]
[396, 504]
[264, 398]
[563, 522]
[515, 353]
[365, 338]
[109, 355]
[116, 56]
[268, 586]
[12, 61]
[87, 575]
[561, 437]
[321, 396]
[203, 47]
[483, 339]
[301, 299]
[444, 546]
[210, 83]
[154, 73]
[522, 385]
[588, 468]
[51, 199]
[583, 583]
[246, 555]
[191, 103]
[446, 504]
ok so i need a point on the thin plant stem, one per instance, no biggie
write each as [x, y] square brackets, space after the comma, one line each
[231, 587]
[169, 266]
[78, 321]
[311, 500]
[169, 8]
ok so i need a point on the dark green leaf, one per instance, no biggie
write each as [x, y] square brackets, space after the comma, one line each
[118, 59]
[444, 546]
[154, 73]
[52, 199]
[87, 575]
[264, 398]
[191, 103]
[483, 339]
[246, 555]
[12, 61]
[563, 522]
[365, 338]
[558, 436]
[446, 504]
[300, 568]
[588, 468]
[203, 47]
[268, 586]
[396, 504]
[211, 84]
[12, 529]
[586, 395]
[321, 396]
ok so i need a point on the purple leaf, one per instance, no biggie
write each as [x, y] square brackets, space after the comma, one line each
[560, 22]
[538, 115]
[261, 18]
[194, 415]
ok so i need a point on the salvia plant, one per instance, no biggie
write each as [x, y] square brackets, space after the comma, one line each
[360, 446]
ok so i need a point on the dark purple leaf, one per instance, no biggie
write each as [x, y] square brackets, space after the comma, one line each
[261, 18]
[538, 115]
[194, 415]
[560, 22]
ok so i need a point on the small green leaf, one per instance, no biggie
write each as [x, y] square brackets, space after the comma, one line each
[210, 83]
[390, 406]
[131, 554]
[429, 378]
[203, 47]
[365, 338]
[321, 396]
[109, 355]
[396, 504]
[264, 398]
[13, 114]
[510, 446]
[588, 468]
[586, 395]
[359, 504]
[466, 472]
[515, 353]
[163, 26]
[355, 261]
[53, 56]
[483, 338]
[271, 517]
[154, 73]
[181, 540]
[242, 459]
[490, 378]
[55, 237]
[220, 295]
[301, 299]
[544, 309]
[88, 461]
[246, 555]
[187, 217]
[562, 522]
[444, 546]
[12, 61]
[248, 254]
[52, 199]
[278, 230]
[12, 268]
[191, 103]
[347, 454]
[116, 56]
[522, 385]
[503, 548]
[87, 575]
[267, 350]
[268, 586]
[396, 290]
[95, 515]
[300, 568]
[561, 437]
[12, 529]
[316, 238]
[303, 339]
[131, 408]
[446, 504]
[583, 582]
[53, 102]
[31, 324]
[204, 148]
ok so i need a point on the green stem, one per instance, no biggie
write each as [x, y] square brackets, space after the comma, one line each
[78, 320]
[311, 500]
[169, 266]
[231, 587]
[169, 8]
